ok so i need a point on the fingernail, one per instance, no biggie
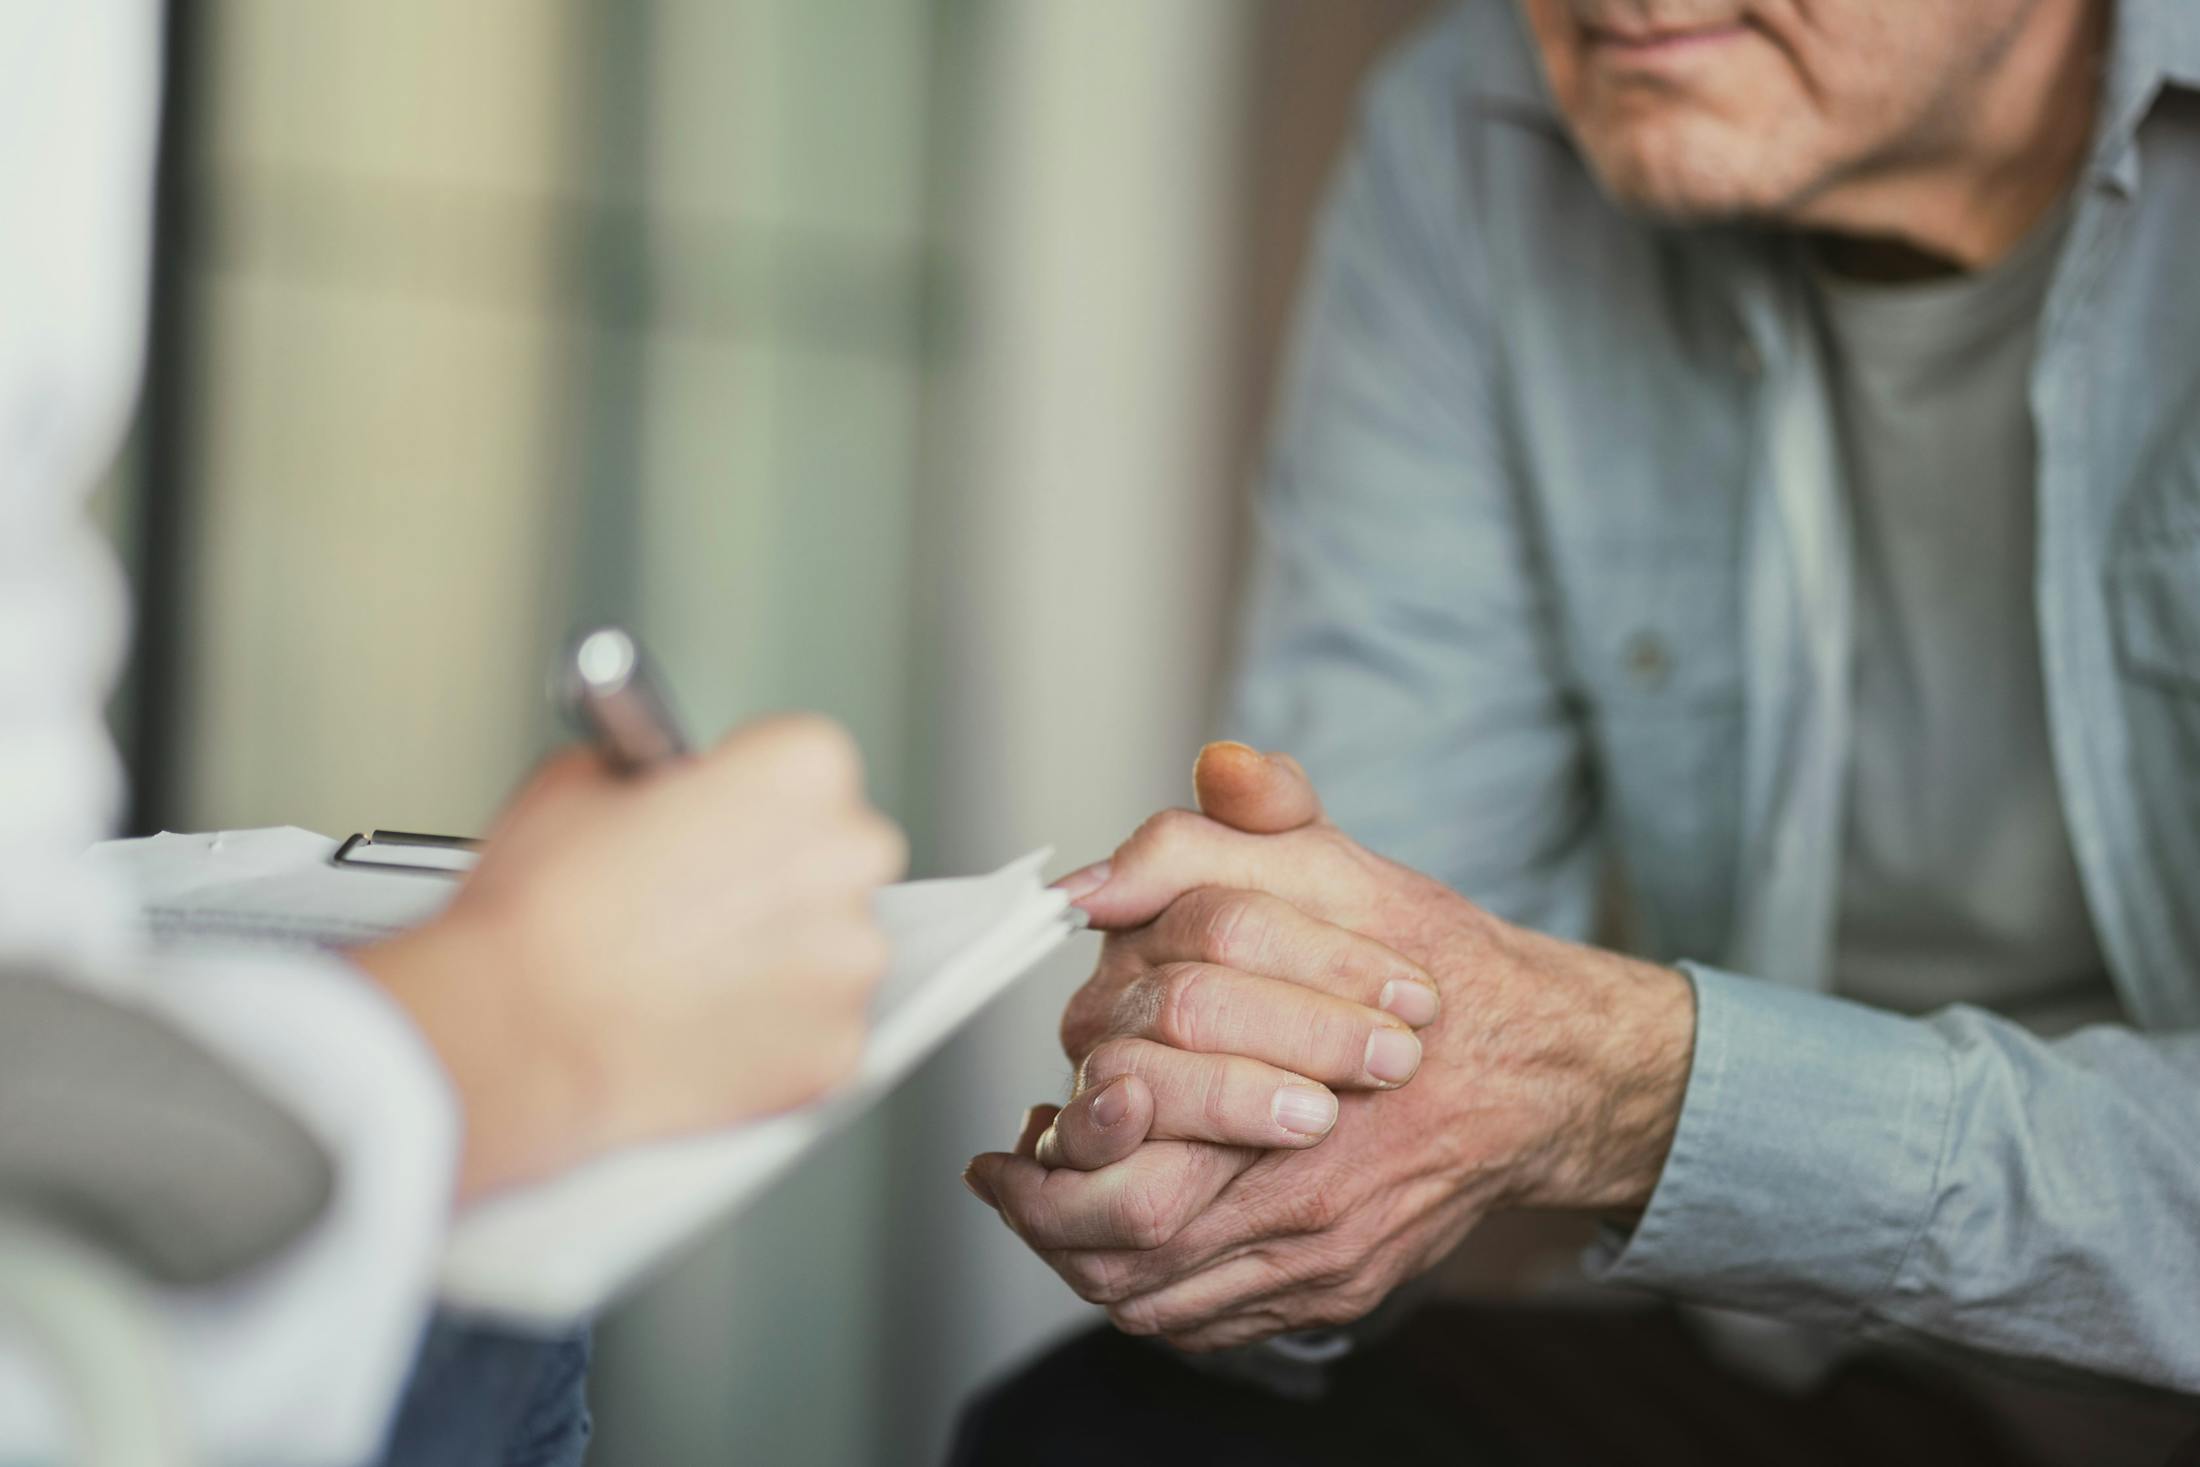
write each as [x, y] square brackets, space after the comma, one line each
[1393, 1055]
[1081, 884]
[1308, 1110]
[1416, 1003]
[978, 1188]
[1111, 1104]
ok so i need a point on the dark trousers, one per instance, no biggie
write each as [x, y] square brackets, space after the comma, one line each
[480, 1398]
[1512, 1385]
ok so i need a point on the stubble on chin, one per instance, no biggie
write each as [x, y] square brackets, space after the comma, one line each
[1689, 170]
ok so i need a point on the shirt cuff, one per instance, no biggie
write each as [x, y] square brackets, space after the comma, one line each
[1806, 1160]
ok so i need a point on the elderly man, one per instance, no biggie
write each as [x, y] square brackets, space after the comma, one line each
[1743, 448]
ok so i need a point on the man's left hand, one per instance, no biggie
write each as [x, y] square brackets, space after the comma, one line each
[1553, 1078]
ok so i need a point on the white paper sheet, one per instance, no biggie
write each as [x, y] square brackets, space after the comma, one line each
[272, 887]
[550, 1254]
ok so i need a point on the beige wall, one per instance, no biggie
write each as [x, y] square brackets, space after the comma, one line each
[379, 356]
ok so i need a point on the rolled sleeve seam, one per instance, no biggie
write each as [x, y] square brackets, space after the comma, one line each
[1705, 1089]
[1706, 1234]
[1866, 1307]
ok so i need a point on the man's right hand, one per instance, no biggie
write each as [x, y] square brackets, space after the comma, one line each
[636, 958]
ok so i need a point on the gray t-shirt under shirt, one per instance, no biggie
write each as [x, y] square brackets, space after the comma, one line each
[1957, 880]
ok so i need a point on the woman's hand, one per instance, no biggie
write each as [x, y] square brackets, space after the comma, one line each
[640, 957]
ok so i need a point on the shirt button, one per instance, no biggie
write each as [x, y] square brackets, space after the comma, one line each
[1648, 662]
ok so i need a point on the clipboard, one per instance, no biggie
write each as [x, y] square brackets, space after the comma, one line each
[540, 1257]
[408, 850]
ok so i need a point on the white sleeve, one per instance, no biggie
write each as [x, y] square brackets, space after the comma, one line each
[300, 1360]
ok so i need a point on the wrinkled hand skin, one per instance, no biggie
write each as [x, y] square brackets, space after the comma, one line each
[1552, 1078]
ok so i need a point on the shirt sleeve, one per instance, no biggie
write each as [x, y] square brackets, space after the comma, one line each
[299, 1359]
[1955, 1178]
[1399, 636]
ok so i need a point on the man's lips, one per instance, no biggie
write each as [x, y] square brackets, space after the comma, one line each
[1648, 43]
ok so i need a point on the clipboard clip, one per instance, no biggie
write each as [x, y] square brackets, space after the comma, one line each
[407, 850]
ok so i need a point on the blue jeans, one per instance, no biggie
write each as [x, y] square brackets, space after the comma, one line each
[480, 1398]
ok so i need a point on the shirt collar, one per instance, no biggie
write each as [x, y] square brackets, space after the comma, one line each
[2153, 44]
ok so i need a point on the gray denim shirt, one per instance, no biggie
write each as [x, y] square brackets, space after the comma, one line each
[1554, 574]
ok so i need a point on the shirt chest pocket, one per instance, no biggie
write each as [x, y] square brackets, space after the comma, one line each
[2153, 591]
[1656, 645]
[2154, 576]
[2155, 598]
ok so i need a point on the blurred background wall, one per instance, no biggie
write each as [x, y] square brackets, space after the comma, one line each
[899, 358]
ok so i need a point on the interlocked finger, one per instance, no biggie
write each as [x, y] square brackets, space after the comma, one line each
[1255, 932]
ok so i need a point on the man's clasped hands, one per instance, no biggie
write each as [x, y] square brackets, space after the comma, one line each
[1303, 1072]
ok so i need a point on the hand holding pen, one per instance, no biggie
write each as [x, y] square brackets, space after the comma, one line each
[635, 958]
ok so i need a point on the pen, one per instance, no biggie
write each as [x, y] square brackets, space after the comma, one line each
[609, 693]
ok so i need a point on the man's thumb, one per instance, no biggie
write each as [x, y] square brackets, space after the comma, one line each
[1261, 794]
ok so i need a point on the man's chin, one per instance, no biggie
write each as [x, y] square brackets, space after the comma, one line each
[1690, 171]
